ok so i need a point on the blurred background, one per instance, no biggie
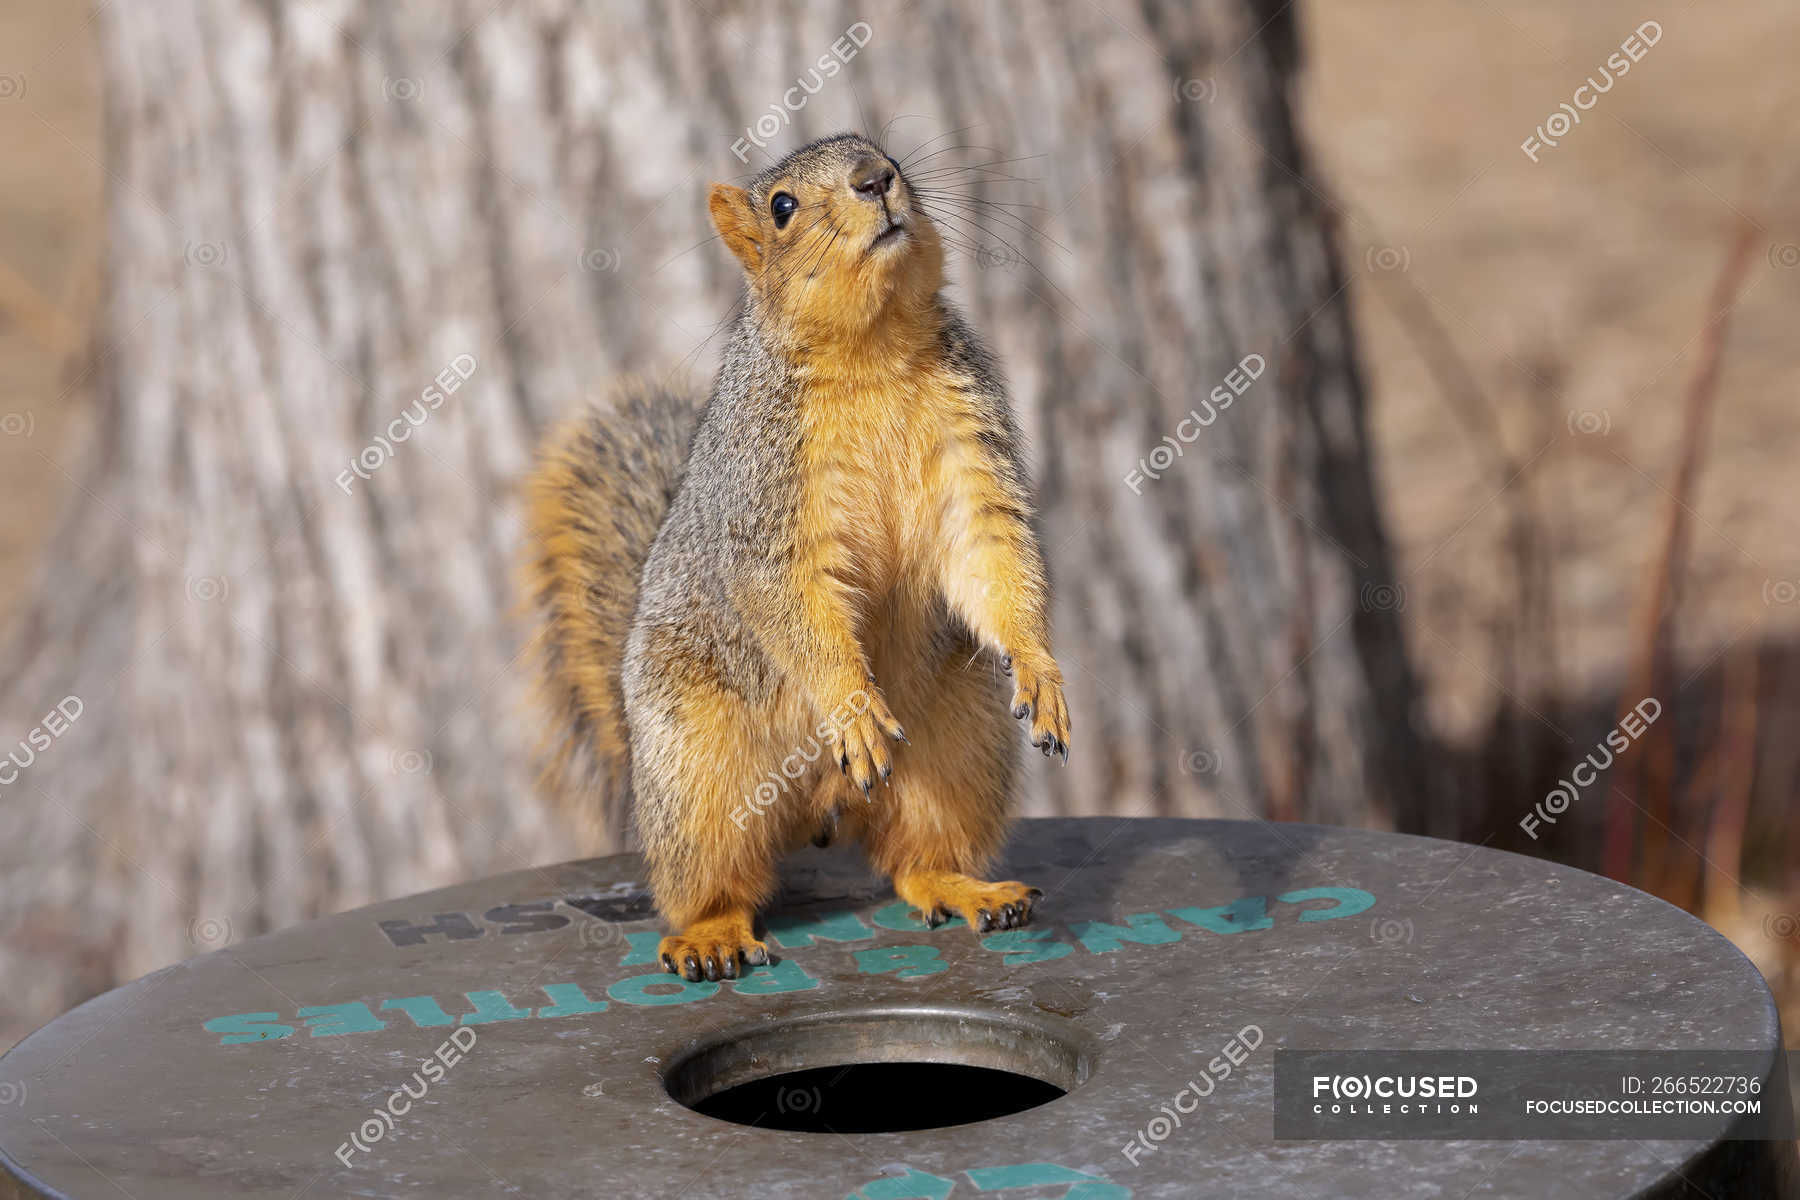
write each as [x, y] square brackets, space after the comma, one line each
[1522, 457]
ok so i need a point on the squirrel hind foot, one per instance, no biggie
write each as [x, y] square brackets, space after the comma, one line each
[987, 907]
[714, 949]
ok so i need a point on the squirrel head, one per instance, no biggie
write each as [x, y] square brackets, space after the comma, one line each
[831, 238]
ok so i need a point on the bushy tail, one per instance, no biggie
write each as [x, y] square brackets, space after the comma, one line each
[593, 504]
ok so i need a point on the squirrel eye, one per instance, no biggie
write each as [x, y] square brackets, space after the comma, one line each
[782, 205]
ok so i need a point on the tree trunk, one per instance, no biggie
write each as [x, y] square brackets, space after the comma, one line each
[289, 631]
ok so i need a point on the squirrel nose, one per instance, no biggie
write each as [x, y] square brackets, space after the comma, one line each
[872, 178]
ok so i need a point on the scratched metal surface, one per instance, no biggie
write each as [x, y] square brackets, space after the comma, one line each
[556, 1096]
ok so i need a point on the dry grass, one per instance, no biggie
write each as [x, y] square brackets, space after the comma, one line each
[1586, 275]
[1554, 575]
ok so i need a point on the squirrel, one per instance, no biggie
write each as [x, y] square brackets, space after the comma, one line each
[763, 611]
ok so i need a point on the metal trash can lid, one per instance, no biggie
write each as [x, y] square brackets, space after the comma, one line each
[514, 1035]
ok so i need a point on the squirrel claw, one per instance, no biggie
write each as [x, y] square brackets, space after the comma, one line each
[713, 949]
[863, 754]
[940, 896]
[1038, 696]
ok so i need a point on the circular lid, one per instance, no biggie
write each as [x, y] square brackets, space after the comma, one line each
[515, 1034]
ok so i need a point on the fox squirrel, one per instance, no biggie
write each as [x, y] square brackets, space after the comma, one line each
[764, 618]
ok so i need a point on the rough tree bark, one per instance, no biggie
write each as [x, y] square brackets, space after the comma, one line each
[299, 681]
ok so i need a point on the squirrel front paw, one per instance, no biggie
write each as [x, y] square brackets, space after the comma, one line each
[713, 949]
[1038, 697]
[862, 742]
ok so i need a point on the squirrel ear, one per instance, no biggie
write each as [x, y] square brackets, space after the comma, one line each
[736, 222]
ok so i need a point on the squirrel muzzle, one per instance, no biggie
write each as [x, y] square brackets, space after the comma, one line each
[831, 238]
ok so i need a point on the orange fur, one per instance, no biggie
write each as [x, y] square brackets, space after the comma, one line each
[592, 506]
[891, 505]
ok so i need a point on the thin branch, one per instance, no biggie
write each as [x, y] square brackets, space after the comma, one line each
[1653, 631]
